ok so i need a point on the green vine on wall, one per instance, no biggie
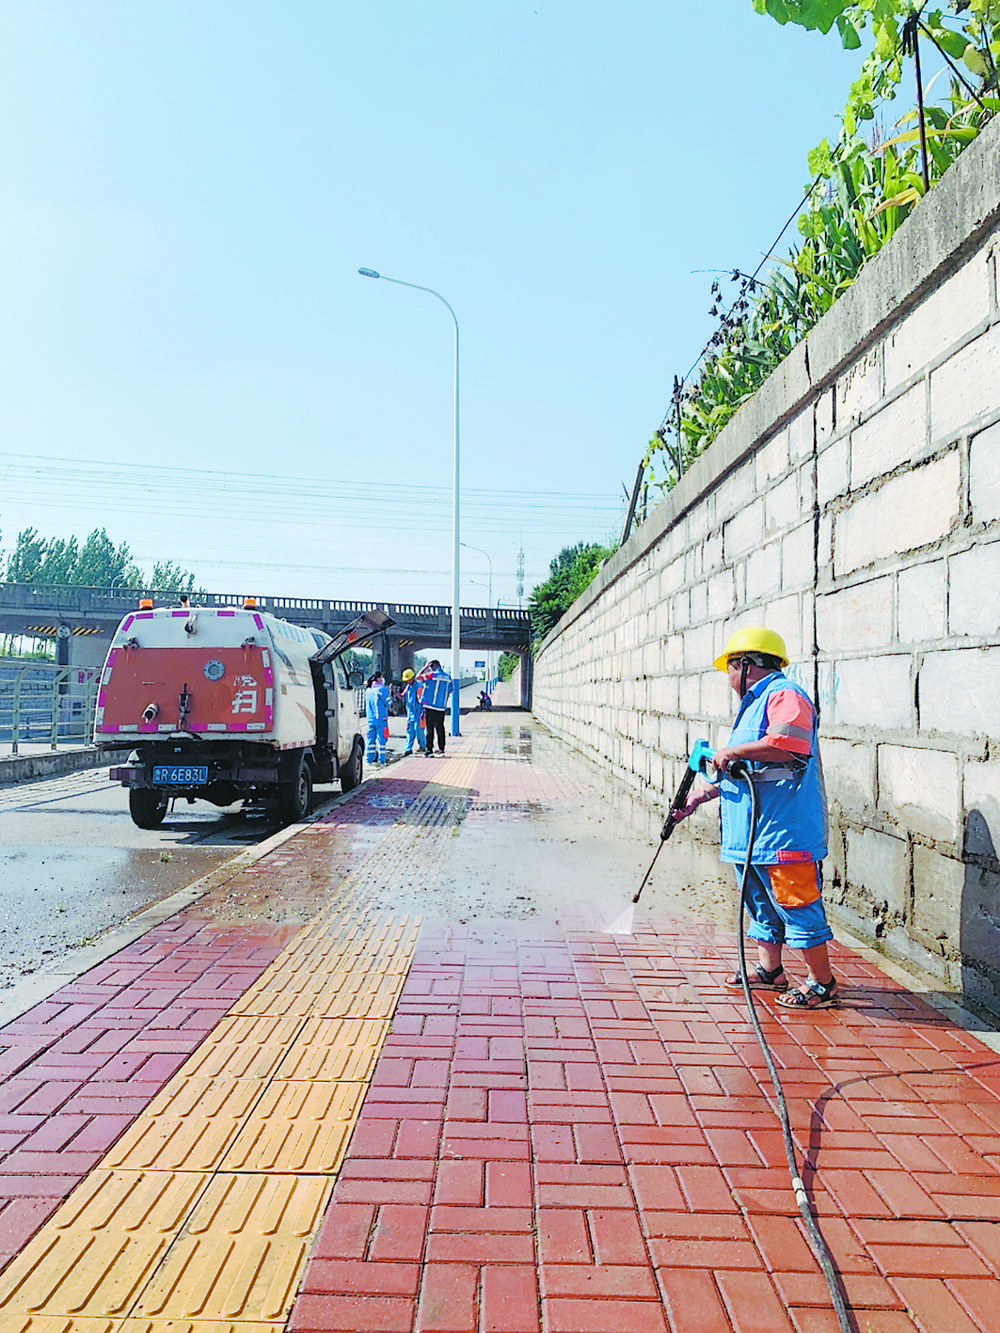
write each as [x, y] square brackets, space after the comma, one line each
[863, 189]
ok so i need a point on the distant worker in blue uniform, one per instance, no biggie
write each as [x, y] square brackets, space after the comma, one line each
[377, 714]
[436, 685]
[412, 692]
[775, 735]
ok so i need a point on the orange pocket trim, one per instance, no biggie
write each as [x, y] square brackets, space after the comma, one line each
[795, 886]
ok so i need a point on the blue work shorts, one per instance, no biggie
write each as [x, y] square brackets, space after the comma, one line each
[800, 925]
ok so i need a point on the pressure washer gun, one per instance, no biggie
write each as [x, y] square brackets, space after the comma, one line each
[699, 759]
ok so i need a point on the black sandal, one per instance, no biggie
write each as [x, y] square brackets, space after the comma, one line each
[764, 980]
[812, 995]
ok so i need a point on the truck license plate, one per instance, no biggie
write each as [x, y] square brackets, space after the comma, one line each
[177, 775]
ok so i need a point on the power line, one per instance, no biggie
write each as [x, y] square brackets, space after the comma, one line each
[128, 476]
[227, 498]
[231, 521]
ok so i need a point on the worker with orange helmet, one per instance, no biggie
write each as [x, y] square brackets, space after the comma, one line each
[775, 737]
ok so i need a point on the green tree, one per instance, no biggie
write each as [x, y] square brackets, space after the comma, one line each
[507, 665]
[26, 559]
[103, 565]
[98, 563]
[570, 573]
[59, 561]
[167, 576]
[13, 645]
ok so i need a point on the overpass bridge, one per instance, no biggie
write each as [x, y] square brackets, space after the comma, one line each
[82, 620]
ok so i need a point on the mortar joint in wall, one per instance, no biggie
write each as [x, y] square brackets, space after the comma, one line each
[840, 503]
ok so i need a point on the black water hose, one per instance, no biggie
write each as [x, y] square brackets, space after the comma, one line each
[738, 769]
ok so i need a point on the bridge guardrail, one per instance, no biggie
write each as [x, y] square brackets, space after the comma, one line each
[80, 599]
[47, 704]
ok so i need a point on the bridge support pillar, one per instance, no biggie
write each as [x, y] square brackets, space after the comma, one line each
[395, 658]
[83, 656]
[83, 652]
[391, 657]
[405, 660]
[527, 675]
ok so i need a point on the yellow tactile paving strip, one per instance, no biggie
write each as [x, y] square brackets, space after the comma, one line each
[457, 772]
[200, 1218]
[58, 1324]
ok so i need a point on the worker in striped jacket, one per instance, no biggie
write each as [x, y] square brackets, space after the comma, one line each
[437, 687]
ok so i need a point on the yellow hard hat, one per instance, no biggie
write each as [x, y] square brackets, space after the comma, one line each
[753, 639]
[407, 674]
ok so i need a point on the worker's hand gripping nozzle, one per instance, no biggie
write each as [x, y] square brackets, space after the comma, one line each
[699, 759]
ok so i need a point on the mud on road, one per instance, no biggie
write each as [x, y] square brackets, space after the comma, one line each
[558, 844]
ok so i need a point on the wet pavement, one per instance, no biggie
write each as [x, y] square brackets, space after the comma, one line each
[73, 863]
[391, 1073]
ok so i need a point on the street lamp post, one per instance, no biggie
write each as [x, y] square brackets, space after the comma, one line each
[490, 601]
[489, 561]
[456, 612]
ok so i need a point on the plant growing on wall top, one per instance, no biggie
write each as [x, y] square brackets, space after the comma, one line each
[863, 188]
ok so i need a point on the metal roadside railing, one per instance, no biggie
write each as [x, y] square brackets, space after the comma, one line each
[41, 703]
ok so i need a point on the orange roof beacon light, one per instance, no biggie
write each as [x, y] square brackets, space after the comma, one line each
[145, 603]
[249, 603]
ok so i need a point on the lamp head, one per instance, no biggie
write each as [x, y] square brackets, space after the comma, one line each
[369, 273]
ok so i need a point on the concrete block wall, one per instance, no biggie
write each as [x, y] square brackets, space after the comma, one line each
[854, 506]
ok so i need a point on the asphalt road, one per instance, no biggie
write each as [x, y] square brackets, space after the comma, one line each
[73, 865]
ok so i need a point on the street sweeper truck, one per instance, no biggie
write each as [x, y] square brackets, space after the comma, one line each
[226, 703]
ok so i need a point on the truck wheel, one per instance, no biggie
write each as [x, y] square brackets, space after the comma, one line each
[295, 797]
[352, 772]
[146, 806]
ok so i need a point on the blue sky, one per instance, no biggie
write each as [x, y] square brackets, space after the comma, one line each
[187, 190]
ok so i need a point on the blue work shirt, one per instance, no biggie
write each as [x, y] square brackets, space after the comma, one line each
[791, 815]
[414, 703]
[377, 703]
[437, 687]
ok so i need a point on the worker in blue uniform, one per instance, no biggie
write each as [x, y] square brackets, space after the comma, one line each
[775, 736]
[436, 685]
[412, 694]
[377, 715]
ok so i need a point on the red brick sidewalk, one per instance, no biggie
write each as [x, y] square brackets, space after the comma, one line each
[569, 1133]
[566, 1131]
